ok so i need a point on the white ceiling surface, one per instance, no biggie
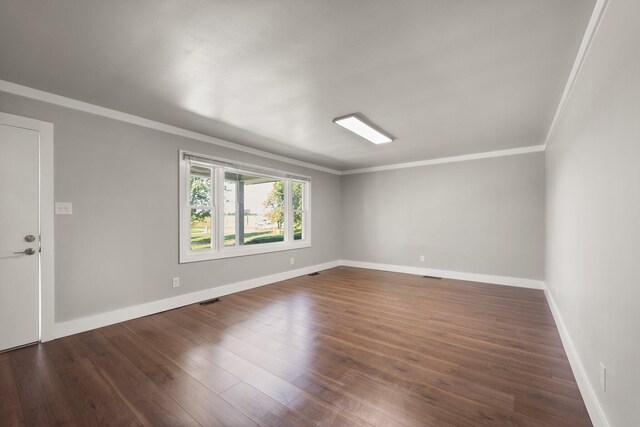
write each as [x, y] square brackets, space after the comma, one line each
[445, 77]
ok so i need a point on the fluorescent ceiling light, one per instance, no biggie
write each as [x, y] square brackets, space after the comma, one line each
[359, 126]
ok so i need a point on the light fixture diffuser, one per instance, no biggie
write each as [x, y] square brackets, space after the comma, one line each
[361, 127]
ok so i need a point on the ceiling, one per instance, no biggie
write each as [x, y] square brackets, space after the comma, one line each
[446, 77]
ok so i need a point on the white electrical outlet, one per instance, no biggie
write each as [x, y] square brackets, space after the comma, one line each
[293, 261]
[176, 282]
[603, 377]
[421, 258]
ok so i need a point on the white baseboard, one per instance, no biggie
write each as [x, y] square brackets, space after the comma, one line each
[62, 329]
[598, 417]
[473, 277]
[75, 326]
[83, 324]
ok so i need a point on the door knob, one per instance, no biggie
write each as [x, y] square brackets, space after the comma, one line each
[29, 238]
[28, 251]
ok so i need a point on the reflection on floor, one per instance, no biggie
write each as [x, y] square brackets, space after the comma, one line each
[347, 347]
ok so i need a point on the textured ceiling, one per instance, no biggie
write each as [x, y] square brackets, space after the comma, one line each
[446, 77]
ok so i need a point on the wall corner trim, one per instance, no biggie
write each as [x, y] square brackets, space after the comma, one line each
[454, 159]
[447, 274]
[598, 417]
[592, 28]
[74, 104]
[75, 326]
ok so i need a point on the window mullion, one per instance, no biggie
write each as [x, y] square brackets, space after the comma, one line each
[186, 209]
[288, 209]
[239, 213]
[306, 211]
[212, 213]
[219, 208]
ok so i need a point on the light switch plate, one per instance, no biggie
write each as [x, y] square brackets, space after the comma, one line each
[64, 208]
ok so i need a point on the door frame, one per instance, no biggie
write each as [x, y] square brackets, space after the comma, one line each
[47, 275]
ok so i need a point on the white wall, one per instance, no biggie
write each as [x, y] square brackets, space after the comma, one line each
[479, 216]
[593, 213]
[120, 246]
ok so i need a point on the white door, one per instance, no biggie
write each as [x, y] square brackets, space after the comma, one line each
[19, 236]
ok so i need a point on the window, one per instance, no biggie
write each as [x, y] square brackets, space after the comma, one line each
[201, 206]
[230, 209]
[299, 209]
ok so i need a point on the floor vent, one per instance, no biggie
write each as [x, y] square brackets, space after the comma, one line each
[432, 277]
[313, 274]
[210, 301]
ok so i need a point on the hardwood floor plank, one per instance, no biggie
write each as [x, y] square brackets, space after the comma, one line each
[359, 316]
[150, 404]
[322, 413]
[93, 399]
[160, 369]
[10, 406]
[208, 408]
[194, 322]
[436, 376]
[346, 347]
[198, 361]
[197, 400]
[261, 408]
[338, 396]
[275, 387]
[420, 388]
[42, 394]
[375, 404]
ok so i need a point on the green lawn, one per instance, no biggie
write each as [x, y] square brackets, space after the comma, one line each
[203, 241]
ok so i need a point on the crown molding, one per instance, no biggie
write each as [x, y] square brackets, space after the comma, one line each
[86, 107]
[592, 28]
[74, 104]
[442, 160]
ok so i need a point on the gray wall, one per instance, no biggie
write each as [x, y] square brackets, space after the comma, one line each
[481, 216]
[120, 246]
[593, 201]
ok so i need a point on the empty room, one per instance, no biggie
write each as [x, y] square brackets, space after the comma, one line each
[319, 213]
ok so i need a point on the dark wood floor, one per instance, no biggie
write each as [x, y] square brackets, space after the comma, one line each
[348, 347]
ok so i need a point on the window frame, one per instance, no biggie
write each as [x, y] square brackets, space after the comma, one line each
[211, 207]
[305, 211]
[218, 250]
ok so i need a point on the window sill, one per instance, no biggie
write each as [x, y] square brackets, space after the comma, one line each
[233, 252]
